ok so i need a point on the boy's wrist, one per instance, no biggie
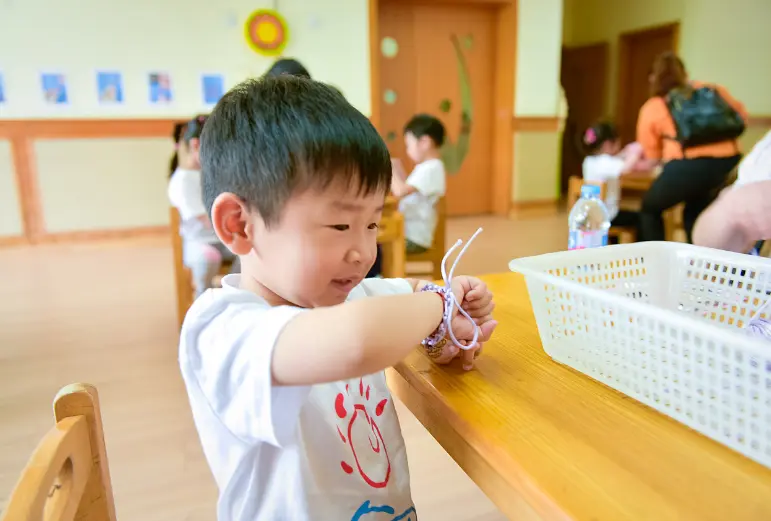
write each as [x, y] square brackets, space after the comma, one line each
[441, 330]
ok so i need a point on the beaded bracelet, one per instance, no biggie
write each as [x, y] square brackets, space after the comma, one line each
[445, 327]
[441, 331]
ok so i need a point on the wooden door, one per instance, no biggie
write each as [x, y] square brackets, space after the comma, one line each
[439, 59]
[583, 77]
[637, 50]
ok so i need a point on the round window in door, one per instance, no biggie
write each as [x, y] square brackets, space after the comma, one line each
[389, 47]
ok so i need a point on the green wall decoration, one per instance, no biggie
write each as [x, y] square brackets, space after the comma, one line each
[445, 105]
[453, 154]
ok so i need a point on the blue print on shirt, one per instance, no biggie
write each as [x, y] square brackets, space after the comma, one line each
[368, 512]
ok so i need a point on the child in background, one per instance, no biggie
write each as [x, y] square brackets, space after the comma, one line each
[605, 163]
[420, 191]
[176, 136]
[284, 364]
[203, 252]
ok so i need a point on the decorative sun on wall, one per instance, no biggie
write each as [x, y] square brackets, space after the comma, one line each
[266, 32]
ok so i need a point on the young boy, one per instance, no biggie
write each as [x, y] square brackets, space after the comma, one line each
[284, 364]
[418, 193]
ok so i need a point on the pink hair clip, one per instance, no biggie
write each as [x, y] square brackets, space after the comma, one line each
[590, 136]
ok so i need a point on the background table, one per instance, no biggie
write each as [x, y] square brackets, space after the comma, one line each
[546, 442]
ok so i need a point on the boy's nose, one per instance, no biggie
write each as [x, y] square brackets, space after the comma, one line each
[353, 256]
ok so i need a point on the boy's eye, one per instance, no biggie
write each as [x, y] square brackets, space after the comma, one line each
[340, 227]
[373, 226]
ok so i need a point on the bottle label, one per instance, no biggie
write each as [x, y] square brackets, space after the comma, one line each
[578, 240]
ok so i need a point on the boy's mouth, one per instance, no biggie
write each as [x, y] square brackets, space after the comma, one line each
[346, 284]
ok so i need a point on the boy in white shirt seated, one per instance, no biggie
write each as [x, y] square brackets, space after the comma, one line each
[419, 193]
[284, 364]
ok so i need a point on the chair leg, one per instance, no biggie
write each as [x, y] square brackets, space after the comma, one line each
[436, 271]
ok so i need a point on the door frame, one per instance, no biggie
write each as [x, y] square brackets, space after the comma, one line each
[504, 89]
[624, 52]
[604, 46]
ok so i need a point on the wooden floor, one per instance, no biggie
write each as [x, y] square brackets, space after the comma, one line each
[105, 314]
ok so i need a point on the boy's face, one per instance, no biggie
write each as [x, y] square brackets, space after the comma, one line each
[417, 147]
[321, 248]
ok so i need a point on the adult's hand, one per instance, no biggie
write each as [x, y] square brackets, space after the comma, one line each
[739, 218]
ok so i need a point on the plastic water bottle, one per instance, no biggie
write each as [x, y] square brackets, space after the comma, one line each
[588, 221]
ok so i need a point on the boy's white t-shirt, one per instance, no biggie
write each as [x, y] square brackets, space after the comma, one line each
[332, 451]
[605, 168]
[419, 207]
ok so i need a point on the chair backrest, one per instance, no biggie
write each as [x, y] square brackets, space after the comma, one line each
[182, 277]
[440, 233]
[574, 189]
[67, 476]
[390, 237]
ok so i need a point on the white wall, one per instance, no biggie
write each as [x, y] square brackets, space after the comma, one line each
[183, 37]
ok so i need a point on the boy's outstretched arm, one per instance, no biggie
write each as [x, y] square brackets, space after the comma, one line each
[354, 338]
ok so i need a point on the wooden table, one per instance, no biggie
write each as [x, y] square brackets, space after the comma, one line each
[546, 442]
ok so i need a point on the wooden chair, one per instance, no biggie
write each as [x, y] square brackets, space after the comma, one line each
[67, 476]
[182, 275]
[390, 237]
[435, 254]
[624, 234]
[674, 230]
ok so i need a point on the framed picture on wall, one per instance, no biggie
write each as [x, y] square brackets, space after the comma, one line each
[213, 87]
[109, 87]
[160, 88]
[54, 88]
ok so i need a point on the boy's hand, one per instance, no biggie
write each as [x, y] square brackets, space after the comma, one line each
[477, 301]
[397, 168]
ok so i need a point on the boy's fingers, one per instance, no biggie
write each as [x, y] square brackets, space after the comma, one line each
[476, 291]
[479, 302]
[486, 330]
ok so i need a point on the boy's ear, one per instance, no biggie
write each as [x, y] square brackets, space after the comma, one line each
[426, 142]
[230, 218]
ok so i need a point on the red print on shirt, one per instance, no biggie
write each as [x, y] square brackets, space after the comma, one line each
[363, 436]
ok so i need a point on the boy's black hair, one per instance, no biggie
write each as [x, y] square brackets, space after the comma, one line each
[426, 125]
[268, 138]
[288, 66]
[598, 134]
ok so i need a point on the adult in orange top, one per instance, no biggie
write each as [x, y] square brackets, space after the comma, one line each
[695, 177]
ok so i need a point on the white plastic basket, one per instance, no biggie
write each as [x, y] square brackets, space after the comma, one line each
[661, 322]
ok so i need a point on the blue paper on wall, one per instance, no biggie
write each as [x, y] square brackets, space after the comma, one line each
[213, 86]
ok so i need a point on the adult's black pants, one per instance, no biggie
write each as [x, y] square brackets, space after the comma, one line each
[695, 182]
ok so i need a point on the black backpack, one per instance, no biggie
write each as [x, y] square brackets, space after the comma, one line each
[702, 117]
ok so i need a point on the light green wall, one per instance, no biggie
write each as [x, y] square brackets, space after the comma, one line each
[720, 41]
[592, 21]
[182, 37]
[537, 163]
[10, 210]
[539, 47]
[729, 43]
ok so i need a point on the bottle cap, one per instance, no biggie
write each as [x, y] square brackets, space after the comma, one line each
[590, 191]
